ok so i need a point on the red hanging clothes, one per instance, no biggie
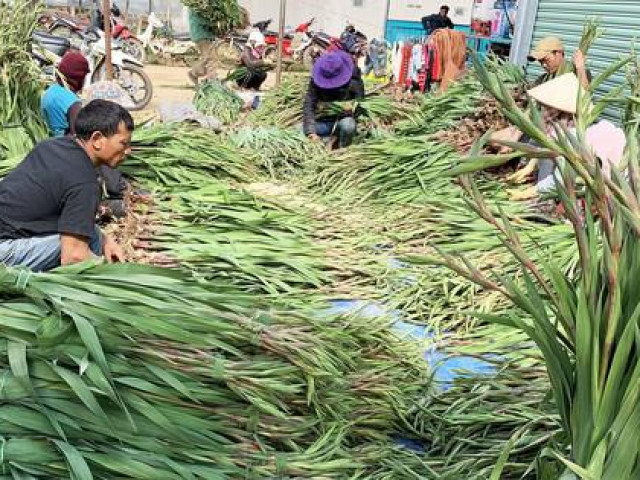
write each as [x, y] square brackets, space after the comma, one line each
[436, 68]
[406, 60]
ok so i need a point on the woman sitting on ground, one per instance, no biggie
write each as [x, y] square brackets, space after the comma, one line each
[559, 99]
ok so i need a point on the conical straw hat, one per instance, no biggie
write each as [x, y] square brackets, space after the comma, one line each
[560, 93]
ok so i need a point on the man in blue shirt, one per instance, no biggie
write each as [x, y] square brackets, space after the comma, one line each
[60, 102]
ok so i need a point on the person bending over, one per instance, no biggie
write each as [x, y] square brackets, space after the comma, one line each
[48, 204]
[252, 59]
[559, 101]
[335, 78]
[60, 106]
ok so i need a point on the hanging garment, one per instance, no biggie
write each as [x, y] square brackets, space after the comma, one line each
[396, 60]
[452, 48]
[436, 64]
[405, 63]
[416, 62]
[422, 77]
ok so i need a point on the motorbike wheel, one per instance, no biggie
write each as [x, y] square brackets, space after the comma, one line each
[133, 80]
[134, 48]
[228, 52]
[137, 83]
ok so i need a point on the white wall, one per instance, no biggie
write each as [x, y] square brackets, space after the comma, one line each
[331, 15]
[414, 10]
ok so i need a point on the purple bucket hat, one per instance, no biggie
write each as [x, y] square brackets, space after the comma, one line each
[333, 70]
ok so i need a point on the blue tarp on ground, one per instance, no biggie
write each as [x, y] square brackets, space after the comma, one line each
[446, 367]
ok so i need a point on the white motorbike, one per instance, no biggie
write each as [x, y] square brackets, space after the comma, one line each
[47, 50]
[168, 46]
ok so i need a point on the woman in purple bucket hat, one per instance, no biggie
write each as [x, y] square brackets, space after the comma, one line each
[335, 78]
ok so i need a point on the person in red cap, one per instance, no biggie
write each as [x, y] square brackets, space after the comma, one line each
[60, 103]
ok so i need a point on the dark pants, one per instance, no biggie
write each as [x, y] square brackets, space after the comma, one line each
[345, 129]
[253, 80]
[114, 182]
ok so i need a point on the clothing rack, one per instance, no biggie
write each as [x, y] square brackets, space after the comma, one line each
[415, 63]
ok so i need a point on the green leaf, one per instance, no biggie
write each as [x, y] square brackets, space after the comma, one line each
[77, 464]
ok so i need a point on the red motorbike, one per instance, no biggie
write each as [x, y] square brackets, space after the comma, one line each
[131, 44]
[271, 39]
[230, 47]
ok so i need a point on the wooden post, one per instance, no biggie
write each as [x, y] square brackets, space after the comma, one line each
[283, 12]
[106, 15]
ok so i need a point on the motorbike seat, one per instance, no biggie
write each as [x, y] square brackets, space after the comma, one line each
[271, 33]
[52, 43]
[47, 38]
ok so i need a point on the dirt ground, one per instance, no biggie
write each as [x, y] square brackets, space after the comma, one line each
[171, 84]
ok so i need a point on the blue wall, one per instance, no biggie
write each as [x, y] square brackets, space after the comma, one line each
[398, 30]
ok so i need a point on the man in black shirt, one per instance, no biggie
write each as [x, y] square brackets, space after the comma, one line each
[431, 23]
[335, 78]
[48, 204]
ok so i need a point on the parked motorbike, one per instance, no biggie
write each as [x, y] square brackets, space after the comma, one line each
[67, 27]
[47, 50]
[130, 44]
[73, 29]
[159, 39]
[320, 43]
[229, 48]
[293, 45]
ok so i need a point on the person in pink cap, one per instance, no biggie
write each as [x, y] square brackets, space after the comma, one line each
[335, 78]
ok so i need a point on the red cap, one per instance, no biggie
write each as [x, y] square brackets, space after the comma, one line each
[75, 68]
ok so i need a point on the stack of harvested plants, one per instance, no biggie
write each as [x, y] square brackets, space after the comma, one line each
[486, 117]
[277, 151]
[394, 169]
[442, 110]
[182, 156]
[216, 100]
[129, 370]
[222, 15]
[282, 106]
[20, 89]
[217, 232]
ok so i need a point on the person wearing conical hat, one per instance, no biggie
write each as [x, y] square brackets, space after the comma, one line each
[550, 52]
[559, 99]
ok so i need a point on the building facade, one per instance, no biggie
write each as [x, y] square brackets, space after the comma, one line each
[369, 16]
[404, 16]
